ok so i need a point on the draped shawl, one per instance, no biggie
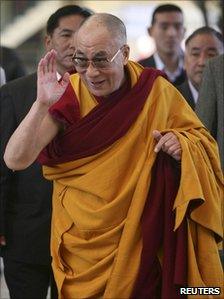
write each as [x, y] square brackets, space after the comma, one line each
[124, 226]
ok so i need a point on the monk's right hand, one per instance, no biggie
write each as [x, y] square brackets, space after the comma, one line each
[49, 90]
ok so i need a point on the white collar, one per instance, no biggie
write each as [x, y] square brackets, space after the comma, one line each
[161, 66]
[2, 76]
[159, 63]
[194, 91]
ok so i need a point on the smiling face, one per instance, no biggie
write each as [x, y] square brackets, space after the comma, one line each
[168, 32]
[62, 40]
[98, 44]
[198, 50]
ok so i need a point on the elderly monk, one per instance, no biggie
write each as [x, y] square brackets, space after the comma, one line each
[137, 179]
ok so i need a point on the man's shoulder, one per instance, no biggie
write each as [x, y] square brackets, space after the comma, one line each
[183, 86]
[148, 61]
[28, 82]
[185, 90]
[22, 90]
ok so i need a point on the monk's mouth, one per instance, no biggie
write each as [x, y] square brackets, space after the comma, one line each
[97, 84]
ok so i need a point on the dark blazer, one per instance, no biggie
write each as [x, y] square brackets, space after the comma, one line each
[25, 198]
[184, 89]
[150, 62]
[11, 63]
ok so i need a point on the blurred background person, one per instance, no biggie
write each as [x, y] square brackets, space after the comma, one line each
[167, 29]
[29, 19]
[25, 200]
[210, 105]
[202, 44]
[11, 63]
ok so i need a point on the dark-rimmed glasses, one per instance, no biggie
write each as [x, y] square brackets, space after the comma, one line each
[98, 63]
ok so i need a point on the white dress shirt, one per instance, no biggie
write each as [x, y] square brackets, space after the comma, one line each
[194, 91]
[2, 76]
[161, 66]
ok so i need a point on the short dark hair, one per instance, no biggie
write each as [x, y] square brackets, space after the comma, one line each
[165, 8]
[205, 30]
[64, 11]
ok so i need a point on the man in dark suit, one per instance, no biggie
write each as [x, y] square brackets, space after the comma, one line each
[11, 63]
[167, 30]
[25, 201]
[202, 44]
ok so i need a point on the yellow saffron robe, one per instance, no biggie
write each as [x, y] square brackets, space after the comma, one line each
[98, 200]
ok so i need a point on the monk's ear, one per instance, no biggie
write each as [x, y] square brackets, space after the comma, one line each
[126, 53]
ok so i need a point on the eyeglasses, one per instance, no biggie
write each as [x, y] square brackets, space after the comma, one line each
[98, 63]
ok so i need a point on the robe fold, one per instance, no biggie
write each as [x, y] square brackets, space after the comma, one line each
[106, 204]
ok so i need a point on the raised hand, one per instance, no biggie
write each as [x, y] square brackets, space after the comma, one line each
[169, 143]
[49, 90]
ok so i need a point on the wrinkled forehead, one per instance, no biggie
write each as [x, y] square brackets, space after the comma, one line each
[89, 42]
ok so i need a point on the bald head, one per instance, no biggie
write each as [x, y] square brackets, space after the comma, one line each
[113, 25]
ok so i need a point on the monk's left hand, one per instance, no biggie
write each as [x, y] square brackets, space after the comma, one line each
[169, 143]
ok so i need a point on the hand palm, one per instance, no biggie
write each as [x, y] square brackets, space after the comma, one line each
[49, 90]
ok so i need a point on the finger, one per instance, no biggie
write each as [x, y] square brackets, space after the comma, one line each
[54, 52]
[177, 157]
[169, 144]
[171, 140]
[44, 66]
[161, 142]
[50, 64]
[46, 62]
[52, 61]
[172, 150]
[177, 152]
[54, 64]
[65, 79]
[159, 145]
[40, 69]
[157, 135]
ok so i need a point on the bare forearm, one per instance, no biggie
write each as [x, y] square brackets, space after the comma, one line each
[29, 138]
